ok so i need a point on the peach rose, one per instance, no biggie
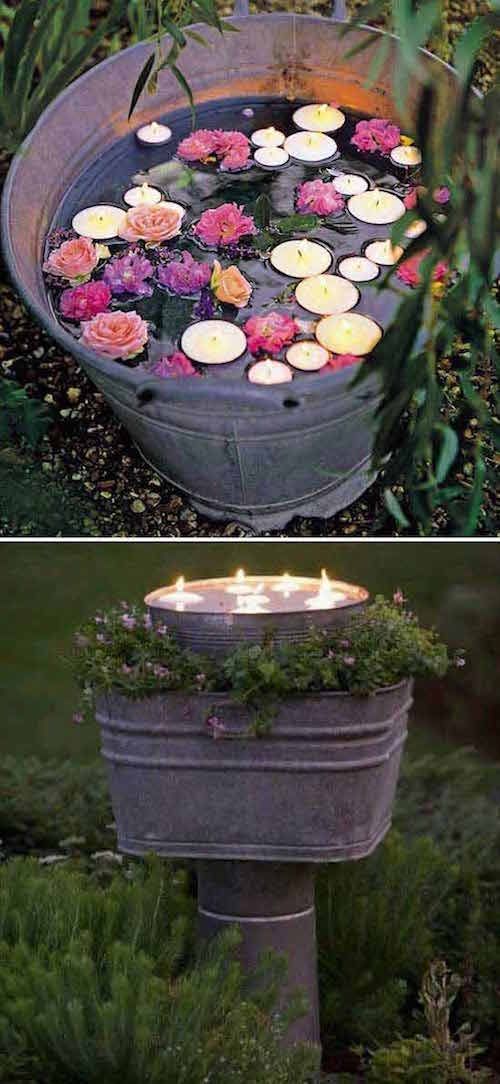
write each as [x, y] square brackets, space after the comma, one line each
[73, 260]
[230, 286]
[115, 334]
[152, 223]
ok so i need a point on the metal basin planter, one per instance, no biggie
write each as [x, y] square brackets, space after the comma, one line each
[257, 455]
[257, 814]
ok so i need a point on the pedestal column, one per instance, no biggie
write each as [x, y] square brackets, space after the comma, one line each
[273, 905]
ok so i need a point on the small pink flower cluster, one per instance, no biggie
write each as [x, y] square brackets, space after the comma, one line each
[174, 365]
[409, 271]
[411, 199]
[85, 301]
[320, 197]
[269, 333]
[442, 194]
[376, 135]
[231, 149]
[224, 225]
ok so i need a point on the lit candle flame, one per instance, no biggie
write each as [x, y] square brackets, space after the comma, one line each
[155, 127]
[240, 575]
[180, 584]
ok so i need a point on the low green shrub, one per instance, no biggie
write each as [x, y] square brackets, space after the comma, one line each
[377, 922]
[46, 802]
[103, 986]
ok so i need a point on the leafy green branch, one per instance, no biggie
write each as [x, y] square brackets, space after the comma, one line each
[197, 11]
[420, 441]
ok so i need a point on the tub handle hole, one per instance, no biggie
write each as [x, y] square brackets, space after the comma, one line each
[290, 402]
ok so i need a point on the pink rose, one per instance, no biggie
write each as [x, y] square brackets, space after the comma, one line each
[269, 333]
[115, 334]
[73, 260]
[152, 223]
[320, 197]
[409, 271]
[224, 225]
[83, 302]
[411, 199]
[198, 146]
[376, 135]
[233, 148]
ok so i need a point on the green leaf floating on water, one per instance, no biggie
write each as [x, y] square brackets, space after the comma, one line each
[296, 223]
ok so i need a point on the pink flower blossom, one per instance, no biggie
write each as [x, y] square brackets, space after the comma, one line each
[152, 223]
[411, 199]
[398, 598]
[233, 148]
[84, 301]
[320, 197]
[409, 271]
[269, 333]
[224, 225]
[376, 135]
[341, 361]
[441, 195]
[73, 260]
[174, 365]
[198, 146]
[115, 334]
[185, 276]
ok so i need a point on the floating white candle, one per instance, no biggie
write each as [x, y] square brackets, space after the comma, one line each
[142, 194]
[353, 334]
[100, 222]
[154, 133]
[319, 118]
[326, 596]
[383, 252]
[416, 228]
[310, 146]
[241, 586]
[251, 604]
[358, 268]
[326, 294]
[299, 259]
[350, 184]
[179, 595]
[271, 157]
[268, 137]
[213, 342]
[307, 355]
[406, 156]
[269, 371]
[376, 206]
[286, 585]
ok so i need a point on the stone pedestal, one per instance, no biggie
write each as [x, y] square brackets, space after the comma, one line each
[273, 906]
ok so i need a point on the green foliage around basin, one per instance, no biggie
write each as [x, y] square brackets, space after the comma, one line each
[122, 650]
[101, 984]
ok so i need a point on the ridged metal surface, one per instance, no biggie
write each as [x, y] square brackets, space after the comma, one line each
[318, 788]
[218, 634]
[256, 455]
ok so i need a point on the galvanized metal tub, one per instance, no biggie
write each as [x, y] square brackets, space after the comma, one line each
[318, 788]
[257, 455]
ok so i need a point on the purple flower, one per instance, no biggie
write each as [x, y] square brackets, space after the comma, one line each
[128, 622]
[349, 660]
[200, 679]
[330, 654]
[442, 194]
[345, 643]
[161, 671]
[98, 619]
[78, 717]
[174, 365]
[398, 598]
[204, 308]
[161, 630]
[127, 274]
[185, 276]
[126, 669]
[147, 622]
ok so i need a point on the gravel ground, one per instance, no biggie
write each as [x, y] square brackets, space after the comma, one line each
[88, 479]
